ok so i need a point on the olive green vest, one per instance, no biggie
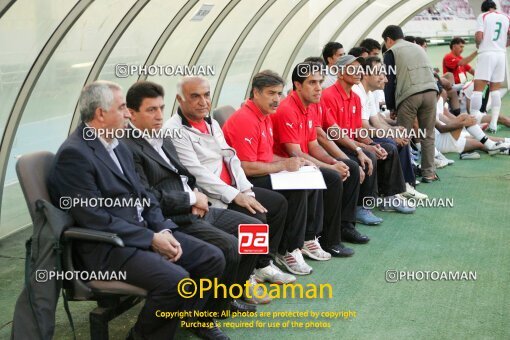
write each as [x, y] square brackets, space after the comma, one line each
[414, 71]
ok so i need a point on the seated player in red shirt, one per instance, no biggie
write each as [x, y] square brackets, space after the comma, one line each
[367, 161]
[455, 64]
[250, 131]
[295, 135]
[455, 69]
[345, 107]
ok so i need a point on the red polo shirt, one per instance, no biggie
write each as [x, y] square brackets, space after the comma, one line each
[323, 117]
[293, 124]
[345, 110]
[250, 132]
[451, 64]
[202, 127]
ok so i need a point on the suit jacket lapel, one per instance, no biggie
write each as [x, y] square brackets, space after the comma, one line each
[172, 154]
[149, 151]
[124, 161]
[170, 151]
[102, 154]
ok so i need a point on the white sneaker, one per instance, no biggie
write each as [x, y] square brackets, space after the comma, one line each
[313, 250]
[439, 163]
[498, 148]
[396, 203]
[442, 157]
[258, 296]
[412, 193]
[294, 262]
[272, 274]
[470, 155]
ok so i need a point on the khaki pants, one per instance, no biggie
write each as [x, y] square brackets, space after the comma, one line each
[423, 107]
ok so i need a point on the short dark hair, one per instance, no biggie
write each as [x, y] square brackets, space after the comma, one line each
[315, 60]
[368, 63]
[487, 5]
[266, 78]
[141, 90]
[300, 73]
[330, 49]
[370, 44]
[421, 41]
[456, 41]
[357, 51]
[410, 38]
[393, 32]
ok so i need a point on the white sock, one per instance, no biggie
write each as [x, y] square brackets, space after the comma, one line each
[476, 103]
[496, 107]
[476, 131]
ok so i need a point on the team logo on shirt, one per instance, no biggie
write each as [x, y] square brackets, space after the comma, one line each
[289, 125]
[271, 131]
[310, 124]
[248, 139]
[354, 110]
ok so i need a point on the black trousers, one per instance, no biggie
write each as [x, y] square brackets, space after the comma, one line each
[389, 172]
[369, 186]
[301, 213]
[276, 206]
[339, 201]
[404, 154]
[160, 277]
[219, 227]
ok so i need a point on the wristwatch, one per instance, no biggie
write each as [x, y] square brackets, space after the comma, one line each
[358, 149]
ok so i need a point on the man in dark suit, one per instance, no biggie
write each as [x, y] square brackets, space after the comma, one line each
[91, 165]
[163, 174]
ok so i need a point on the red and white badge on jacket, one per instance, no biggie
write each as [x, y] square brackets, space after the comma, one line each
[253, 239]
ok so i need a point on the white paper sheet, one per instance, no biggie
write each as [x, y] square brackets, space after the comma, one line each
[307, 177]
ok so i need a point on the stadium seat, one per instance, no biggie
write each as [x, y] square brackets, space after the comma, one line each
[113, 297]
[222, 113]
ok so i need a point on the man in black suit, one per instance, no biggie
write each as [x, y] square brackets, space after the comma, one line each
[91, 165]
[163, 174]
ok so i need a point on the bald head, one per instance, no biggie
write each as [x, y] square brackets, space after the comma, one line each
[194, 97]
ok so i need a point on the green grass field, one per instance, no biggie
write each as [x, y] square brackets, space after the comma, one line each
[471, 236]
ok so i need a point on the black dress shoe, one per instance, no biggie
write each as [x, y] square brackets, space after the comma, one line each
[340, 251]
[351, 235]
[209, 333]
[241, 306]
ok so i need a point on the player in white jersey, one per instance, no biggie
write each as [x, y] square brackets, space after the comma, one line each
[491, 38]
